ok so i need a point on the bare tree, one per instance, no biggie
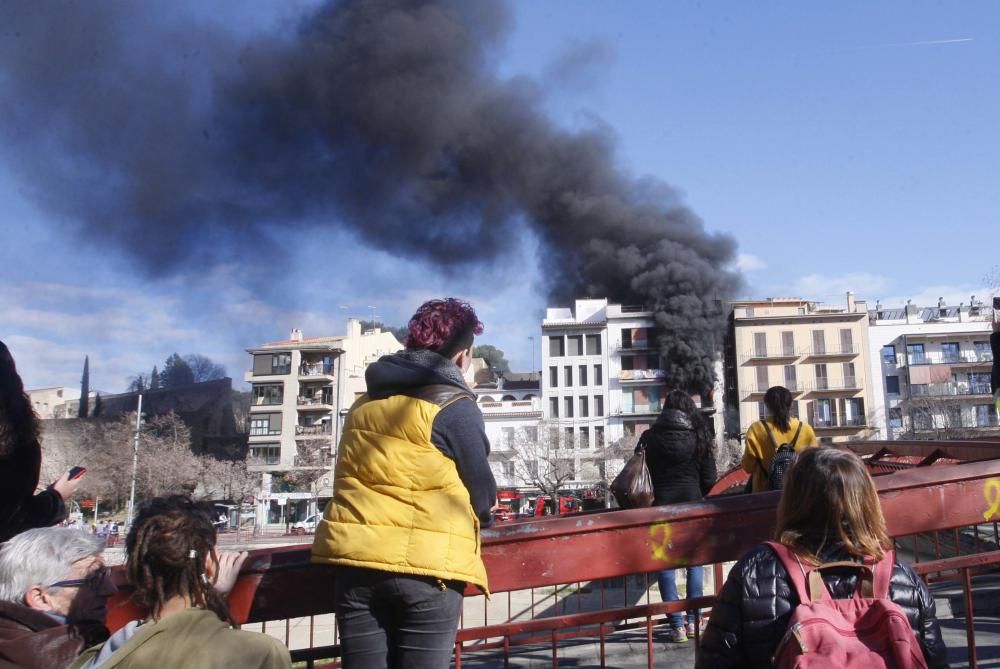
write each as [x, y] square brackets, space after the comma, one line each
[542, 457]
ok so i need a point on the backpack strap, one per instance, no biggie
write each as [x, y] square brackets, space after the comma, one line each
[796, 571]
[882, 575]
[808, 581]
[770, 435]
[796, 437]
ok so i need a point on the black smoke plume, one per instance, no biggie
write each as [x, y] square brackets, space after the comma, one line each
[180, 142]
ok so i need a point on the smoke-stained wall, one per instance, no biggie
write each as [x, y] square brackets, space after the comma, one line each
[178, 142]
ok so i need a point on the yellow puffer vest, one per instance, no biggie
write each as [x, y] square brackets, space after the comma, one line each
[398, 503]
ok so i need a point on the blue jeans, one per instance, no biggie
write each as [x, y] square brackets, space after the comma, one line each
[396, 621]
[668, 591]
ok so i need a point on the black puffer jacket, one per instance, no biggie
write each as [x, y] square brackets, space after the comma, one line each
[752, 613]
[679, 472]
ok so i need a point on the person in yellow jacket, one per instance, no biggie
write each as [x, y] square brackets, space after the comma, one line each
[412, 488]
[760, 447]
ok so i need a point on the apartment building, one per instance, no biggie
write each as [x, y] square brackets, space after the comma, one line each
[53, 402]
[820, 353]
[301, 390]
[931, 370]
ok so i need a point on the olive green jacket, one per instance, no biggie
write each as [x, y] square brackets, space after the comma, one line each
[193, 639]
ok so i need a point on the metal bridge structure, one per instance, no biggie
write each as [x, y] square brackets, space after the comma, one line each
[557, 580]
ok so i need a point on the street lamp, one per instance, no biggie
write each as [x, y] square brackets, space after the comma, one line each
[135, 463]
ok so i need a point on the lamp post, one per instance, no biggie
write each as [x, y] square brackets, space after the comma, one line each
[135, 463]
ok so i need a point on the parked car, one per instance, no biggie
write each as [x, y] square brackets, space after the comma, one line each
[306, 526]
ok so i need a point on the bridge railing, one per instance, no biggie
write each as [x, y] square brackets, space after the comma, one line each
[589, 575]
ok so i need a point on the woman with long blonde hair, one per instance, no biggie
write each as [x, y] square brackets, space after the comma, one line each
[829, 512]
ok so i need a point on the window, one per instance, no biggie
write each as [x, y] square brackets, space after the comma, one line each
[574, 345]
[553, 377]
[264, 454]
[272, 363]
[599, 436]
[598, 379]
[794, 410]
[507, 436]
[628, 362]
[896, 418]
[850, 380]
[568, 372]
[922, 420]
[582, 380]
[531, 434]
[760, 344]
[915, 354]
[950, 352]
[853, 411]
[953, 416]
[761, 410]
[846, 341]
[979, 383]
[570, 438]
[508, 469]
[892, 385]
[822, 382]
[584, 406]
[532, 468]
[787, 343]
[265, 424]
[554, 407]
[762, 378]
[266, 394]
[584, 438]
[824, 414]
[819, 342]
[593, 344]
[626, 338]
[568, 401]
[790, 381]
[983, 351]
[598, 405]
[889, 355]
[986, 415]
[556, 347]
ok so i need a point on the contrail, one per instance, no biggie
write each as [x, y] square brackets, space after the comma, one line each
[930, 42]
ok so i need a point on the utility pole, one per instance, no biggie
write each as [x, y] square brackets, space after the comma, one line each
[135, 463]
[531, 344]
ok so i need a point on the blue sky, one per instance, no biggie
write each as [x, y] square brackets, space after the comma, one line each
[848, 146]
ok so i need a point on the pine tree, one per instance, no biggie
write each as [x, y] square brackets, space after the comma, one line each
[98, 405]
[154, 379]
[176, 372]
[85, 389]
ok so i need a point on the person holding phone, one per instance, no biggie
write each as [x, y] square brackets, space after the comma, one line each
[21, 460]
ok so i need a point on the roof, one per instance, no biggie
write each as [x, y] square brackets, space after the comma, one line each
[304, 343]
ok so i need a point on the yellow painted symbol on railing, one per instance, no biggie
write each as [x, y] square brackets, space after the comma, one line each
[992, 494]
[659, 541]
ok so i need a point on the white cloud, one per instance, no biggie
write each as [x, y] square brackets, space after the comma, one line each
[747, 262]
[832, 289]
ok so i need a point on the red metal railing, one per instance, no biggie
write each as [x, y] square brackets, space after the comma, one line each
[561, 578]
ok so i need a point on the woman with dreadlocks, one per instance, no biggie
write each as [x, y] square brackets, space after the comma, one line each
[181, 580]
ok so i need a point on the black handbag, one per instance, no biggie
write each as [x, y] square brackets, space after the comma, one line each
[633, 487]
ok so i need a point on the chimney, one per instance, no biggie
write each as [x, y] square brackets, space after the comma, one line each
[850, 301]
[911, 310]
[296, 335]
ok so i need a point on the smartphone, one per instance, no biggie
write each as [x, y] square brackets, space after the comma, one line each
[76, 472]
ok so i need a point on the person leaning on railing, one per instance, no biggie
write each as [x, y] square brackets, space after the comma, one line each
[829, 512]
[760, 447]
[412, 488]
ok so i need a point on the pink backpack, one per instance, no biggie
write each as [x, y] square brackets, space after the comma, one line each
[868, 630]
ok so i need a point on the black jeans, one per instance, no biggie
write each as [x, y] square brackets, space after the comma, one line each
[396, 621]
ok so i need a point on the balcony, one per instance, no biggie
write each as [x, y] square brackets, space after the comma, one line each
[320, 430]
[312, 403]
[642, 346]
[794, 388]
[940, 390]
[640, 411]
[849, 384]
[641, 376]
[962, 358]
[833, 352]
[762, 354]
[838, 423]
[511, 407]
[315, 369]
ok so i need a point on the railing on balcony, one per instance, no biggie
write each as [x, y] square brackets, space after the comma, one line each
[949, 389]
[510, 406]
[839, 422]
[764, 354]
[847, 383]
[832, 351]
[315, 369]
[321, 429]
[305, 401]
[793, 387]
[639, 375]
[641, 346]
[949, 358]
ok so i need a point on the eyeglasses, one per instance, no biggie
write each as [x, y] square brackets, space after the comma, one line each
[93, 580]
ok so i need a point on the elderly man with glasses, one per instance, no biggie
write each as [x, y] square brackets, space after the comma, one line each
[54, 587]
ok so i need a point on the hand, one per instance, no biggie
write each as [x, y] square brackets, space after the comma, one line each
[230, 563]
[65, 486]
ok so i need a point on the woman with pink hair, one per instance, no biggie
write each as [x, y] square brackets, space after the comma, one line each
[412, 488]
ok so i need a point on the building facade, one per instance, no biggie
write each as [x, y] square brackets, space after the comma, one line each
[301, 390]
[820, 353]
[931, 371]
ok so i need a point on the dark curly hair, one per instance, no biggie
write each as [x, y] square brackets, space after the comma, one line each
[18, 423]
[166, 550]
[446, 326]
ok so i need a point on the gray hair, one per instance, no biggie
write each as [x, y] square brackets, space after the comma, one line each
[42, 556]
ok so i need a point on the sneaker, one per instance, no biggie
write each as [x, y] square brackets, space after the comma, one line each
[690, 629]
[677, 635]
